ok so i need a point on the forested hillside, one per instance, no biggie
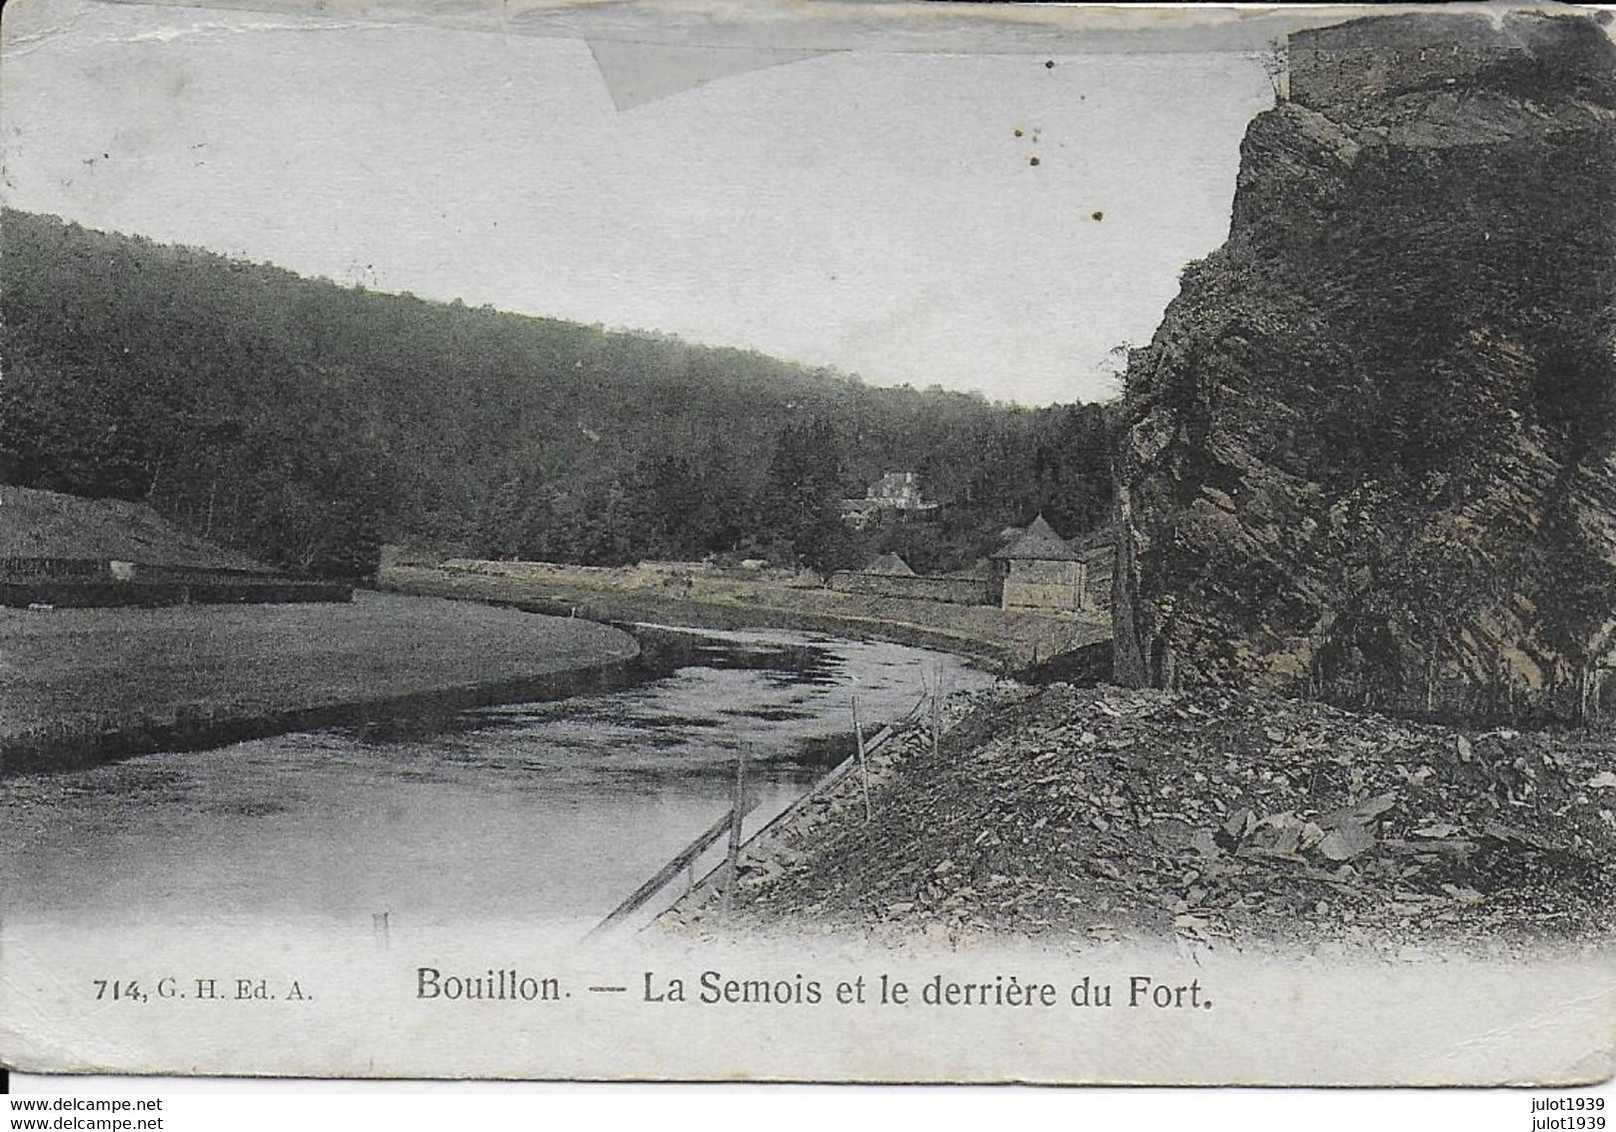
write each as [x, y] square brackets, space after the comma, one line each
[307, 423]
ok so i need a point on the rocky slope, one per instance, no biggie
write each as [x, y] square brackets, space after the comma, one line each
[1089, 815]
[1370, 454]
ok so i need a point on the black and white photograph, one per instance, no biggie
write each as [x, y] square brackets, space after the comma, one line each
[821, 543]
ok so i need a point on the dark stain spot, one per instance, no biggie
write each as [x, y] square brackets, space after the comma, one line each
[252, 809]
[1049, 64]
[1017, 133]
[1096, 215]
[1033, 160]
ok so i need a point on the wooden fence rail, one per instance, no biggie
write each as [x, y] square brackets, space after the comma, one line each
[685, 859]
[730, 821]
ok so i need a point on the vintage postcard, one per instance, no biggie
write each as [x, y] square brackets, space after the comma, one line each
[816, 542]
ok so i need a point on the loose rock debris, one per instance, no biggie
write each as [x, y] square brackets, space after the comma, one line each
[1104, 814]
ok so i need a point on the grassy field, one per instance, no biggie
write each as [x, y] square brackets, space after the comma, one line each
[692, 595]
[78, 686]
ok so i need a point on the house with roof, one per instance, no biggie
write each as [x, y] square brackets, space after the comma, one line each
[67, 550]
[892, 564]
[893, 493]
[1037, 569]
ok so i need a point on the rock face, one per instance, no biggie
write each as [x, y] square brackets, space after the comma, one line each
[1370, 454]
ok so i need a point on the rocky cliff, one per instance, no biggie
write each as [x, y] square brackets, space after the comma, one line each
[1370, 454]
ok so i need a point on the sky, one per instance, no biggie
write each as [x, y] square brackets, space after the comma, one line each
[878, 211]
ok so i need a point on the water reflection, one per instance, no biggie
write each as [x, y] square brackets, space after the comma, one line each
[541, 812]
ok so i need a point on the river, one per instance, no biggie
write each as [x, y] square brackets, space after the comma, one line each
[544, 813]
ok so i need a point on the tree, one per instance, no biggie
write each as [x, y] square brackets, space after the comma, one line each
[1276, 65]
[799, 509]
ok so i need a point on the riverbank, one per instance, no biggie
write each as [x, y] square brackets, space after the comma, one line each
[1091, 815]
[83, 686]
[710, 599]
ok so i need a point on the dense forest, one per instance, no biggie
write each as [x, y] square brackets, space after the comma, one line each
[308, 423]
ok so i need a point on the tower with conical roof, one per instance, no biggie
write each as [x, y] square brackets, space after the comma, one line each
[1037, 569]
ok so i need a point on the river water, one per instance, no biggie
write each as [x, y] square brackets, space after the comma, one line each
[545, 813]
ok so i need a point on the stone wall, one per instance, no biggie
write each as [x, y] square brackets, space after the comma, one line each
[958, 591]
[1372, 58]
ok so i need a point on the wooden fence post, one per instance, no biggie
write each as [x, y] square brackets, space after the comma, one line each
[936, 709]
[864, 767]
[737, 815]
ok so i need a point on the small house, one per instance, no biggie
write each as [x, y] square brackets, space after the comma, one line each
[894, 493]
[891, 564]
[1038, 569]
